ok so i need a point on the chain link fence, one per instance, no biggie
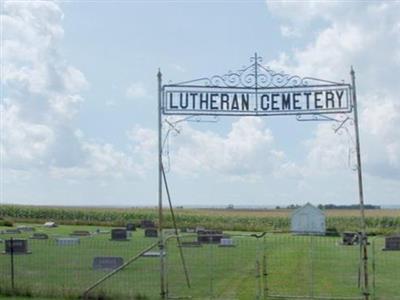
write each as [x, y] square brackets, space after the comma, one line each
[238, 266]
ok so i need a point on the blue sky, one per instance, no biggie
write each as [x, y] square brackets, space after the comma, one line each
[79, 107]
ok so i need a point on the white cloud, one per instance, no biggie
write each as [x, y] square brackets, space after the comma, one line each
[368, 37]
[41, 89]
[144, 147]
[23, 142]
[247, 151]
[136, 90]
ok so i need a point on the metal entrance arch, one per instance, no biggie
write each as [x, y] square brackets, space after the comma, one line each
[256, 90]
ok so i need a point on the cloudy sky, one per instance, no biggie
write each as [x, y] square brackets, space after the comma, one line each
[79, 106]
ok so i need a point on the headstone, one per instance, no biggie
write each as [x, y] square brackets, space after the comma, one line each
[69, 241]
[153, 254]
[190, 244]
[39, 236]
[119, 234]
[12, 231]
[107, 262]
[147, 224]
[50, 224]
[350, 238]
[24, 228]
[226, 242]
[392, 243]
[131, 227]
[200, 228]
[80, 233]
[209, 236]
[150, 232]
[17, 246]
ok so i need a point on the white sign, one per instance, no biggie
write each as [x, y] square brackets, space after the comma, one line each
[180, 100]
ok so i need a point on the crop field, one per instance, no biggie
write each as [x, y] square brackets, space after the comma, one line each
[256, 268]
[379, 221]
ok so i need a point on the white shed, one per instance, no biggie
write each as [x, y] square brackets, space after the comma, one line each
[308, 219]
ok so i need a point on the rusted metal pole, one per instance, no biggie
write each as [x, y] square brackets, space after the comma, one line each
[178, 239]
[360, 189]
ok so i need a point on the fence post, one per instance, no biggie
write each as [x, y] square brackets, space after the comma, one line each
[264, 271]
[210, 245]
[311, 293]
[373, 268]
[12, 263]
[258, 270]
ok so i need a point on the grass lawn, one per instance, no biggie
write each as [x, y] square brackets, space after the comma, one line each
[295, 265]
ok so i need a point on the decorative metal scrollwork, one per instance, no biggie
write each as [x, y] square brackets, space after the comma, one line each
[255, 75]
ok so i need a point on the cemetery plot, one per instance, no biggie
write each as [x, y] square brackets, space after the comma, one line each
[150, 232]
[297, 265]
[80, 233]
[153, 254]
[68, 241]
[11, 231]
[39, 236]
[226, 242]
[130, 227]
[209, 236]
[16, 246]
[107, 263]
[119, 234]
[24, 228]
[147, 224]
[392, 243]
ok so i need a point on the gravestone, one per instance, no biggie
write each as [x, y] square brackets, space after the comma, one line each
[147, 224]
[50, 224]
[69, 241]
[17, 246]
[131, 227]
[12, 231]
[119, 234]
[200, 228]
[226, 242]
[392, 243]
[153, 254]
[80, 233]
[209, 236]
[24, 228]
[350, 238]
[39, 236]
[107, 262]
[150, 232]
[190, 244]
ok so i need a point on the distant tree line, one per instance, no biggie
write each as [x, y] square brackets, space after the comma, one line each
[352, 206]
[333, 206]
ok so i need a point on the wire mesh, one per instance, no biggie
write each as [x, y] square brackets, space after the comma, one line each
[275, 266]
[216, 271]
[311, 267]
[385, 266]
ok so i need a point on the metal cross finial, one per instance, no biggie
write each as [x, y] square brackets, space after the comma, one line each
[256, 59]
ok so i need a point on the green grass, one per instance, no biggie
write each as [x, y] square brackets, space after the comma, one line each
[296, 265]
